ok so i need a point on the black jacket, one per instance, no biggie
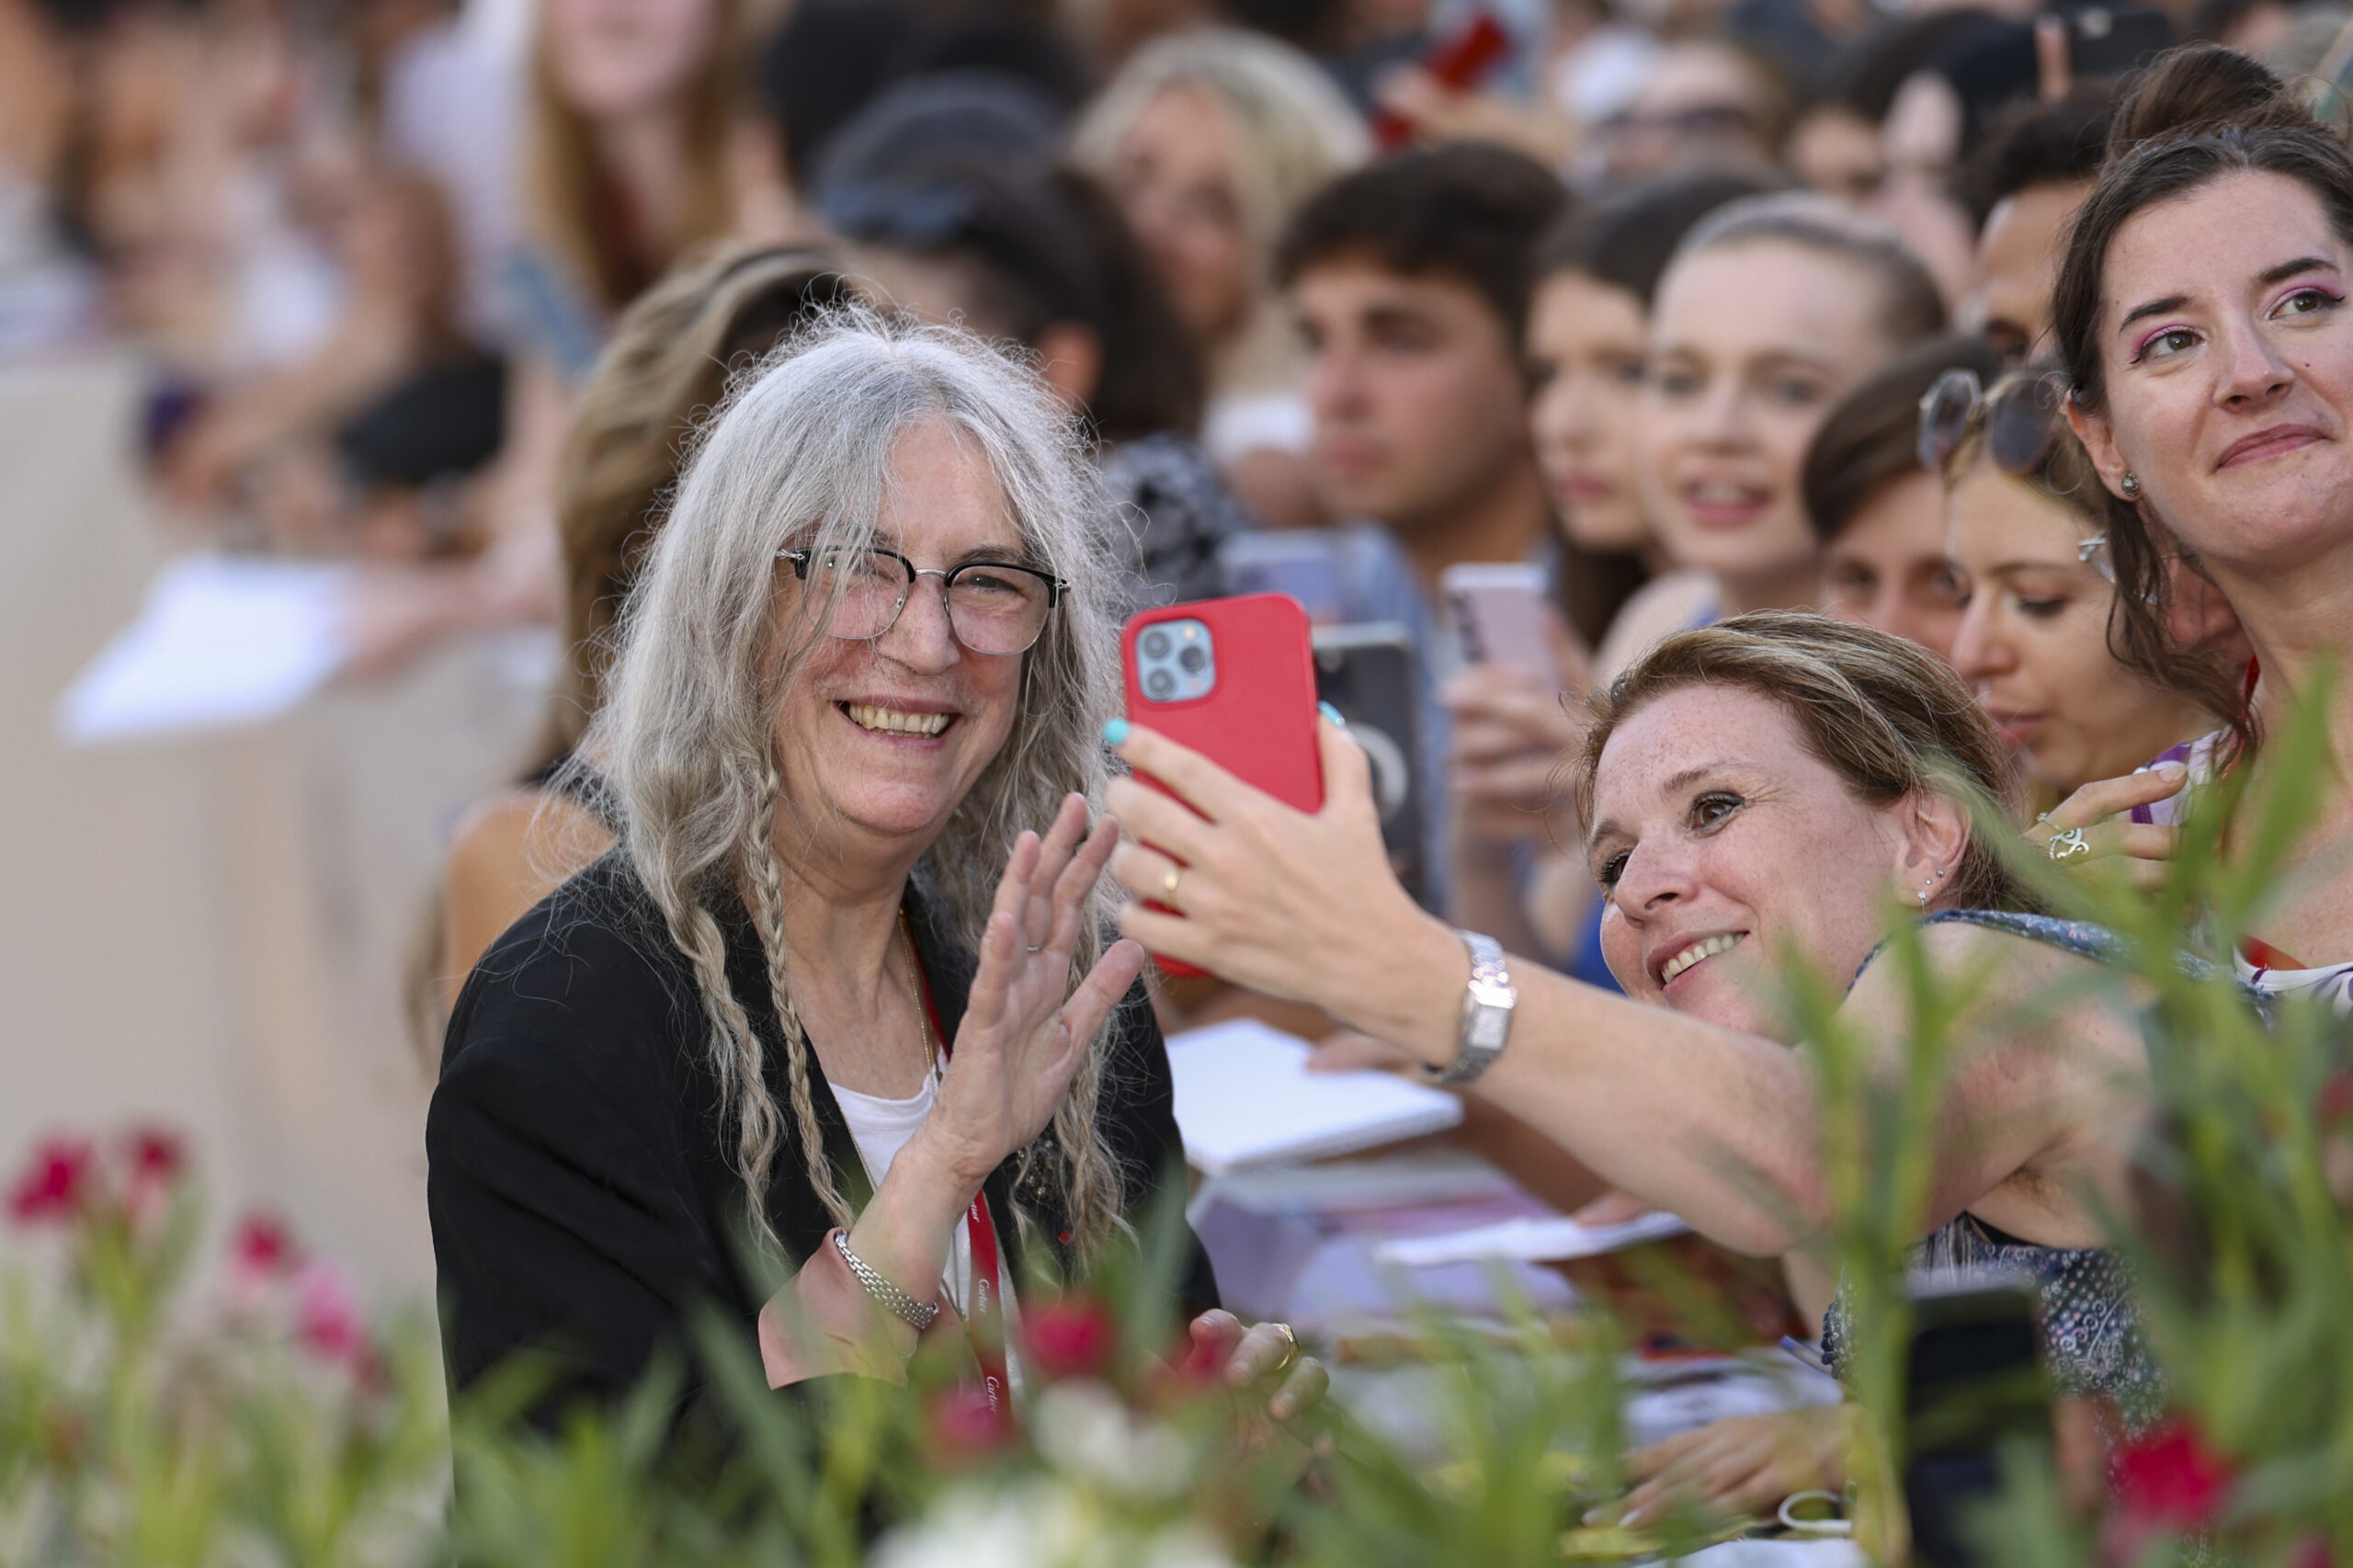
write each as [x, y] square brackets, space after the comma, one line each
[582, 1193]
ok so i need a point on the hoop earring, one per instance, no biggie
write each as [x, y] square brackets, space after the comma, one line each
[2130, 484]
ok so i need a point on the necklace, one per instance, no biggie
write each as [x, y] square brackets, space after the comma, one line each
[915, 993]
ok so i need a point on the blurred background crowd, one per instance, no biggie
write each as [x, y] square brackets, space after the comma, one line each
[424, 299]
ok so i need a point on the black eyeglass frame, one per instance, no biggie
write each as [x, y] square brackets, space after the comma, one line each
[1055, 587]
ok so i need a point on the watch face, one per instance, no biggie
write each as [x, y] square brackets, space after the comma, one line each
[1488, 1029]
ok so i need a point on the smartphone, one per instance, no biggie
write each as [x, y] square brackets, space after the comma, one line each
[1975, 1385]
[1499, 612]
[1368, 672]
[1233, 679]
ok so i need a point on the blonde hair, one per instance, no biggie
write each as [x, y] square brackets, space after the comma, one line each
[565, 181]
[800, 454]
[1294, 130]
[665, 366]
[1888, 716]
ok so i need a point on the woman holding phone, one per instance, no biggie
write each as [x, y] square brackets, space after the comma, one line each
[829, 996]
[1771, 785]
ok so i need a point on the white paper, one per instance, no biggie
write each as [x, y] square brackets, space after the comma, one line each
[1245, 1097]
[218, 643]
[1529, 1240]
[1831, 1552]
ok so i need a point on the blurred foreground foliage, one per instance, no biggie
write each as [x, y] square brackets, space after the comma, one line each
[163, 1405]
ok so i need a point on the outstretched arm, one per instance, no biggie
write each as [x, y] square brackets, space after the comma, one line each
[1720, 1126]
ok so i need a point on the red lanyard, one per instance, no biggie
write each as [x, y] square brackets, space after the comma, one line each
[985, 1322]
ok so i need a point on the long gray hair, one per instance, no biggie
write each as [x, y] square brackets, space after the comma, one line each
[800, 454]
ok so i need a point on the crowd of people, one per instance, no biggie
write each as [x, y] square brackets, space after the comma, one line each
[1904, 412]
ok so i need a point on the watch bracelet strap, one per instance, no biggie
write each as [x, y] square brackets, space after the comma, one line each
[918, 1314]
[1473, 1055]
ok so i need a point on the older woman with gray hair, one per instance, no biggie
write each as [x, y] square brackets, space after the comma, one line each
[829, 999]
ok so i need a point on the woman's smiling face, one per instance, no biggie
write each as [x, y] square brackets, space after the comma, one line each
[881, 739]
[2226, 350]
[1750, 345]
[1725, 848]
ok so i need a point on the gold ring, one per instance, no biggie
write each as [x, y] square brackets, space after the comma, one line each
[1290, 1342]
[1168, 886]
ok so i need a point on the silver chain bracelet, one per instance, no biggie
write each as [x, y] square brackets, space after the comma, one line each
[919, 1314]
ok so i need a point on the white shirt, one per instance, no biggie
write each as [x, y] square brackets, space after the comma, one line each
[880, 1128]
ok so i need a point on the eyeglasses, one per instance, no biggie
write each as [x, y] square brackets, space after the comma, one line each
[2019, 416]
[994, 607]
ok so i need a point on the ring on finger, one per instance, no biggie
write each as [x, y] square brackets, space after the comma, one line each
[2067, 845]
[1291, 1346]
[1168, 886]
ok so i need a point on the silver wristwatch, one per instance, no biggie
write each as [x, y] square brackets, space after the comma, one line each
[1486, 1012]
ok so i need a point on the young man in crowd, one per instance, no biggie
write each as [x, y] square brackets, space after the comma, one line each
[2025, 184]
[1410, 281]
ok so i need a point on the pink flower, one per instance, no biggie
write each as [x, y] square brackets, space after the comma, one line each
[326, 1314]
[2167, 1481]
[157, 1159]
[965, 1426]
[1067, 1339]
[260, 1251]
[55, 1184]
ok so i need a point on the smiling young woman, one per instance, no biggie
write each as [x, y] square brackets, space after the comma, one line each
[1772, 309]
[2201, 314]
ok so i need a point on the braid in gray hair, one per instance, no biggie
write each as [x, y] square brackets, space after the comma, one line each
[767, 914]
[800, 454]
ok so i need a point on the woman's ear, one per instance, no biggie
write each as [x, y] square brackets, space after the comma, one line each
[1936, 835]
[2091, 428]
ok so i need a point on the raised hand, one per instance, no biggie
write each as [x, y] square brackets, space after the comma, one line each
[2141, 853]
[1025, 1028]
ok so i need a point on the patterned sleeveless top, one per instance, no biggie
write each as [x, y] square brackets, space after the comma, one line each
[2091, 1333]
[2264, 967]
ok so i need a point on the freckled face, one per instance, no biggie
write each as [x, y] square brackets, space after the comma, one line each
[1723, 845]
[2227, 352]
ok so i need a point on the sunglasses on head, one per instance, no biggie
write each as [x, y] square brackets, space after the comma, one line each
[2019, 418]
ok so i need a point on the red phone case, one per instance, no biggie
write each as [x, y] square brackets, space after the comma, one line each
[1459, 62]
[1259, 721]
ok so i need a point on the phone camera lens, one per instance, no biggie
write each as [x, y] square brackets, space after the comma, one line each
[1159, 683]
[1193, 657]
[1155, 644]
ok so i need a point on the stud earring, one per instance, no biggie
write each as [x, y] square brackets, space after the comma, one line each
[1925, 888]
[2131, 486]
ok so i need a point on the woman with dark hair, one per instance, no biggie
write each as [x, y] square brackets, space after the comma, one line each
[2201, 315]
[1877, 510]
[2023, 513]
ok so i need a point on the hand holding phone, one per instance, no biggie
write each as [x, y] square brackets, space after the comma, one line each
[1233, 679]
